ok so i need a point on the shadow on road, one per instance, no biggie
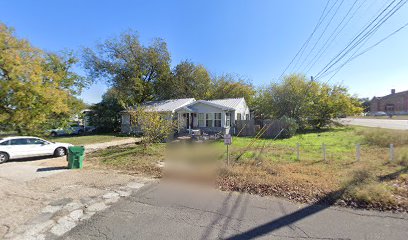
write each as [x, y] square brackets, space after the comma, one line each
[48, 169]
[324, 203]
[30, 159]
[287, 220]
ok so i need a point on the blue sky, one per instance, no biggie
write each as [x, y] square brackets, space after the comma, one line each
[255, 39]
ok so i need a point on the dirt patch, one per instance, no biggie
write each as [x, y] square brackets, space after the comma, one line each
[26, 193]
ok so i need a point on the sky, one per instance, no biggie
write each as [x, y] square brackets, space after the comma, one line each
[255, 39]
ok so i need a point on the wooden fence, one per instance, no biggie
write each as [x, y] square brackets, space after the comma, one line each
[270, 128]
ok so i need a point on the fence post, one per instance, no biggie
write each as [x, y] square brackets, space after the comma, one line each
[391, 152]
[298, 151]
[358, 147]
[324, 151]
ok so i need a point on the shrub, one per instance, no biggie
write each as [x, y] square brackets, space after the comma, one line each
[290, 127]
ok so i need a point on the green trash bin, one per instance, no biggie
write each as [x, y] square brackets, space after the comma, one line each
[76, 155]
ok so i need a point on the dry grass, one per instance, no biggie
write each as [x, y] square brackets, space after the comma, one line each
[383, 137]
[132, 159]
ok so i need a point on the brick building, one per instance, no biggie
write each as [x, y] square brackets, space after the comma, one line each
[395, 103]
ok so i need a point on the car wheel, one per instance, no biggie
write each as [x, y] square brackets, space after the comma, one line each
[54, 134]
[59, 152]
[4, 157]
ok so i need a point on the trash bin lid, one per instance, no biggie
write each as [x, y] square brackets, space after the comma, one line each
[76, 149]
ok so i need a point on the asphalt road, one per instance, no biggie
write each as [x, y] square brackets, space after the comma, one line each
[381, 123]
[165, 211]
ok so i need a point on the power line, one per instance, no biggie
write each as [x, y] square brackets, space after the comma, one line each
[308, 39]
[368, 49]
[358, 39]
[323, 32]
[331, 39]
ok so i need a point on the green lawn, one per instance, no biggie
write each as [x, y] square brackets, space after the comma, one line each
[88, 139]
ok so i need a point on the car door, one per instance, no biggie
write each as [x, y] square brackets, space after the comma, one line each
[40, 147]
[43, 147]
[20, 148]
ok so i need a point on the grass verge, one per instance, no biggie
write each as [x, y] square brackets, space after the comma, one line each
[87, 139]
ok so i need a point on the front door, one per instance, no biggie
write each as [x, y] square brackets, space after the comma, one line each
[187, 120]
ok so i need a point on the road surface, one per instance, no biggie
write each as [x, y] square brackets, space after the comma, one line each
[163, 211]
[381, 123]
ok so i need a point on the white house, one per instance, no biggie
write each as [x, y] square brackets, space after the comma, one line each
[207, 115]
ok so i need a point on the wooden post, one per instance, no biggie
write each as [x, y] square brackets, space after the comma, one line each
[228, 157]
[298, 151]
[391, 152]
[358, 153]
[324, 151]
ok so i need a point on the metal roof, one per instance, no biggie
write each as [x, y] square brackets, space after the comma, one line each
[167, 105]
[228, 102]
[173, 104]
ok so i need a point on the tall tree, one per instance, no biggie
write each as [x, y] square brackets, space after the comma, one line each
[37, 89]
[131, 68]
[229, 86]
[106, 114]
[187, 80]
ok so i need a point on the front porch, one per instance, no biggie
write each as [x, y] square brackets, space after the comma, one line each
[199, 123]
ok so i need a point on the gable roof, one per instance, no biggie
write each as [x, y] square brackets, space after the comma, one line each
[228, 102]
[167, 105]
[172, 105]
[224, 104]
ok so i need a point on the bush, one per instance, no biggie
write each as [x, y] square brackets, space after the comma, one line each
[291, 127]
[384, 137]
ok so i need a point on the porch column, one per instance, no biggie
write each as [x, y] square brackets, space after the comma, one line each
[178, 122]
[189, 123]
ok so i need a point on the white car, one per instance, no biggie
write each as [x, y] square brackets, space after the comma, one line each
[22, 147]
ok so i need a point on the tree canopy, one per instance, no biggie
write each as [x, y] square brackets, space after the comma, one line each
[187, 80]
[309, 103]
[37, 88]
[105, 114]
[133, 69]
[230, 86]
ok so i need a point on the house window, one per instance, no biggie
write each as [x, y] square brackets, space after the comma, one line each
[209, 119]
[217, 119]
[228, 119]
[201, 120]
[239, 116]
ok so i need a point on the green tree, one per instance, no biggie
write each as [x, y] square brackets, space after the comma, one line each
[37, 89]
[288, 98]
[229, 86]
[186, 81]
[156, 127]
[131, 68]
[106, 114]
[329, 102]
[310, 104]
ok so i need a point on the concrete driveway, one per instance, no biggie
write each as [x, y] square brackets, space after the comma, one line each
[381, 123]
[168, 211]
